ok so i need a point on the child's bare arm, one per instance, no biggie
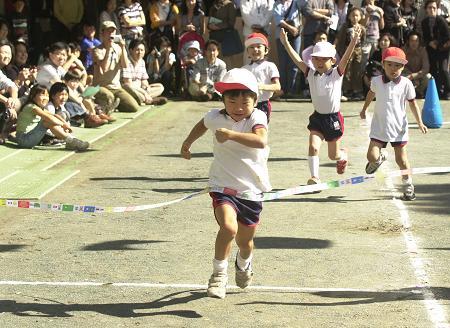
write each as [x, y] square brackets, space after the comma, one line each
[274, 86]
[369, 98]
[291, 52]
[197, 131]
[416, 112]
[255, 139]
[357, 29]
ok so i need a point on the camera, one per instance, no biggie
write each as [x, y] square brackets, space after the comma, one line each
[116, 38]
[157, 53]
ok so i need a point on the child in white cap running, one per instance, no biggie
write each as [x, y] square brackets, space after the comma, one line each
[239, 166]
[389, 122]
[325, 84]
[265, 71]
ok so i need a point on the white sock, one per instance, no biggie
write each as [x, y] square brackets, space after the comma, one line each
[407, 181]
[342, 155]
[220, 266]
[313, 162]
[243, 264]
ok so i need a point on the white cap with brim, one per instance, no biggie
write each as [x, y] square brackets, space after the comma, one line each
[237, 79]
[194, 44]
[324, 49]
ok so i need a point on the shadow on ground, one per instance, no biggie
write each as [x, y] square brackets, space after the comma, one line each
[364, 297]
[290, 243]
[150, 179]
[11, 247]
[122, 310]
[119, 245]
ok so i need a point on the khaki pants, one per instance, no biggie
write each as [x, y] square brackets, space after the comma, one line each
[105, 98]
[143, 96]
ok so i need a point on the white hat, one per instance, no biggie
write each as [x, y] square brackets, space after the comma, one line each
[324, 49]
[237, 79]
[192, 44]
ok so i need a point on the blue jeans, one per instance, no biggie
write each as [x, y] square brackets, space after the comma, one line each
[288, 70]
[32, 138]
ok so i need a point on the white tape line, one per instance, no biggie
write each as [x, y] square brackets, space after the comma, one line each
[8, 176]
[413, 290]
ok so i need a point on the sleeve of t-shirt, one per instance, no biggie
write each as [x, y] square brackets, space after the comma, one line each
[259, 120]
[373, 85]
[273, 71]
[410, 91]
[210, 119]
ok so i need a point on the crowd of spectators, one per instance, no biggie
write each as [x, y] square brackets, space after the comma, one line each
[118, 55]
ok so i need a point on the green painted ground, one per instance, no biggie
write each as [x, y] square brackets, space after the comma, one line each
[28, 173]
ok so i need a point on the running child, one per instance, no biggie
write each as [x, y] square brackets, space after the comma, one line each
[265, 71]
[239, 166]
[389, 122]
[325, 84]
[34, 121]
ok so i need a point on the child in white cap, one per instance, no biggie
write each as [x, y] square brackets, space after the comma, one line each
[389, 122]
[239, 166]
[325, 84]
[266, 72]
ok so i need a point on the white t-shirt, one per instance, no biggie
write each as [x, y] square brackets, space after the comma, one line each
[264, 72]
[325, 90]
[236, 166]
[389, 122]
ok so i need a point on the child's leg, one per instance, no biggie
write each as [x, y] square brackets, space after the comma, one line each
[315, 141]
[401, 159]
[244, 240]
[374, 156]
[337, 154]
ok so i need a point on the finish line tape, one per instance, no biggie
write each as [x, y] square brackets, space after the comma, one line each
[27, 204]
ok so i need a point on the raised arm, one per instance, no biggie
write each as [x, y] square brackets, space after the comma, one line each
[291, 52]
[197, 131]
[357, 29]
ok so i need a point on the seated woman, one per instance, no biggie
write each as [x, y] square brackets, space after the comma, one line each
[160, 63]
[135, 77]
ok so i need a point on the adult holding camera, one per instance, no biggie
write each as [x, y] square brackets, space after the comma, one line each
[109, 59]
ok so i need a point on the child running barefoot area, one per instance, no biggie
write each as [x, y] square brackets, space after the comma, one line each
[240, 165]
[389, 122]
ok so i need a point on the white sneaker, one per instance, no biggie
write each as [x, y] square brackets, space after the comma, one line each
[372, 167]
[243, 277]
[408, 193]
[217, 285]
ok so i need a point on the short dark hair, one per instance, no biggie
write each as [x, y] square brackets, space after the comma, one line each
[57, 87]
[237, 92]
[137, 42]
[212, 41]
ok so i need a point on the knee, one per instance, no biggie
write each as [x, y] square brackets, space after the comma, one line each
[229, 230]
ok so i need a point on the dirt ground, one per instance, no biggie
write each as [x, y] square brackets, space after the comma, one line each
[347, 257]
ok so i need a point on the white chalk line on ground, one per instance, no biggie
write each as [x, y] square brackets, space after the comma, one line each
[435, 310]
[403, 290]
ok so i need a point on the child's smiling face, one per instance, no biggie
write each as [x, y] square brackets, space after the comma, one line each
[41, 99]
[239, 105]
[392, 69]
[322, 64]
[256, 51]
[60, 98]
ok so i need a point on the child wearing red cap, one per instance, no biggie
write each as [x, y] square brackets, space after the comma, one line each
[389, 122]
[266, 72]
[239, 166]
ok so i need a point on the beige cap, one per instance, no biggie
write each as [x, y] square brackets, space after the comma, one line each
[108, 24]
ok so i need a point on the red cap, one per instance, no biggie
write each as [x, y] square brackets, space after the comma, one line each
[395, 55]
[256, 38]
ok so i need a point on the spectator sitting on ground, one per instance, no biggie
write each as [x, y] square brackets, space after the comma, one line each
[206, 72]
[20, 71]
[4, 29]
[135, 77]
[19, 21]
[109, 59]
[109, 14]
[77, 66]
[160, 63]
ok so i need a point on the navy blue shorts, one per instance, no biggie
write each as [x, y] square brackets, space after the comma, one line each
[331, 126]
[266, 107]
[247, 211]
[393, 143]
